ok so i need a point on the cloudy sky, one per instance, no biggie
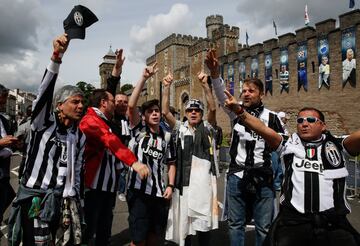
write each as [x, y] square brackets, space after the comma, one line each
[27, 28]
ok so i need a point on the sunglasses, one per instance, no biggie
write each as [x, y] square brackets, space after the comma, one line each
[301, 120]
[197, 110]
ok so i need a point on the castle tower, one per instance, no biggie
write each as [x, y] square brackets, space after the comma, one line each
[105, 68]
[213, 22]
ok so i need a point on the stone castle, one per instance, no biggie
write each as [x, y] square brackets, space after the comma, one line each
[184, 55]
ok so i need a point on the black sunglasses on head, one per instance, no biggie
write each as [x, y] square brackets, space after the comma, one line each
[310, 119]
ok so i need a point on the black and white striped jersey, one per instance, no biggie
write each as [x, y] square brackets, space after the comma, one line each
[314, 175]
[122, 130]
[154, 150]
[53, 151]
[248, 149]
[106, 176]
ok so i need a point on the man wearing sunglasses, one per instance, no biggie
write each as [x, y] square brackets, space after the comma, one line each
[249, 187]
[194, 209]
[313, 207]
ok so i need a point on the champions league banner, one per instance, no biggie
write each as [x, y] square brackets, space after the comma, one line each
[231, 78]
[254, 67]
[323, 60]
[348, 56]
[302, 65]
[242, 74]
[284, 70]
[268, 73]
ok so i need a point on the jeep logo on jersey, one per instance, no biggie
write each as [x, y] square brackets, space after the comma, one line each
[153, 152]
[308, 166]
[332, 154]
[78, 18]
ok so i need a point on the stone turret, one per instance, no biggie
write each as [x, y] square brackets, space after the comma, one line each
[213, 22]
[105, 68]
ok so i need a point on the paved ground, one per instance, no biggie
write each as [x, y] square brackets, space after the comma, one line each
[120, 232]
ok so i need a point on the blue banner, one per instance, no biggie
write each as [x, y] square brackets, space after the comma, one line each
[302, 66]
[324, 62]
[268, 73]
[254, 67]
[284, 70]
[348, 53]
[242, 74]
[231, 78]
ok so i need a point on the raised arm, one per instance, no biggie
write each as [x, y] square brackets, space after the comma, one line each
[114, 79]
[352, 143]
[218, 83]
[203, 78]
[42, 106]
[133, 111]
[272, 138]
[169, 117]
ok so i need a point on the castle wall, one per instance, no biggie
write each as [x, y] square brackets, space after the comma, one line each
[186, 56]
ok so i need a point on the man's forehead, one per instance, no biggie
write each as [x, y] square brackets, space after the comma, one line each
[250, 85]
[153, 107]
[76, 97]
[121, 97]
[308, 113]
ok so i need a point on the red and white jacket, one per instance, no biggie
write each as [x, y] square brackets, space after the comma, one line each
[100, 138]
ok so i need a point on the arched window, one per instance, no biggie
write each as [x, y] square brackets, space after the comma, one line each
[184, 98]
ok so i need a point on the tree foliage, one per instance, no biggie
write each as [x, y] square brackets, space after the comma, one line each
[126, 87]
[87, 88]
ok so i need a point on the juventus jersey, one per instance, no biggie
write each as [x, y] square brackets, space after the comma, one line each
[52, 149]
[154, 150]
[248, 149]
[314, 175]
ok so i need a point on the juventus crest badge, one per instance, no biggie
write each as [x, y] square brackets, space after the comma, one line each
[332, 154]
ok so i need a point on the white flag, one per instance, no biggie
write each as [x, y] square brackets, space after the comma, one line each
[307, 20]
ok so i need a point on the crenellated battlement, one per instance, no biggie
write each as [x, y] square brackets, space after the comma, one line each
[176, 39]
[214, 20]
[256, 49]
[201, 45]
[150, 60]
[226, 31]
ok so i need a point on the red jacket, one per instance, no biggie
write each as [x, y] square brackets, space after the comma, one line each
[99, 138]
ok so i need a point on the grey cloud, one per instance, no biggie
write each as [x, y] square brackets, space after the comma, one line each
[19, 22]
[289, 13]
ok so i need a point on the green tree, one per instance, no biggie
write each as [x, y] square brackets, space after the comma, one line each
[87, 89]
[126, 87]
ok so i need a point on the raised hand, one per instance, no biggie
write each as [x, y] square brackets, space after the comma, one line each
[168, 79]
[120, 59]
[212, 63]
[231, 103]
[203, 78]
[60, 43]
[150, 71]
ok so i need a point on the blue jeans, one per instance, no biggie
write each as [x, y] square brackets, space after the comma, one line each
[240, 201]
[278, 173]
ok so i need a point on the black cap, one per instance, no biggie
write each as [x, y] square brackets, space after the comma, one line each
[79, 18]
